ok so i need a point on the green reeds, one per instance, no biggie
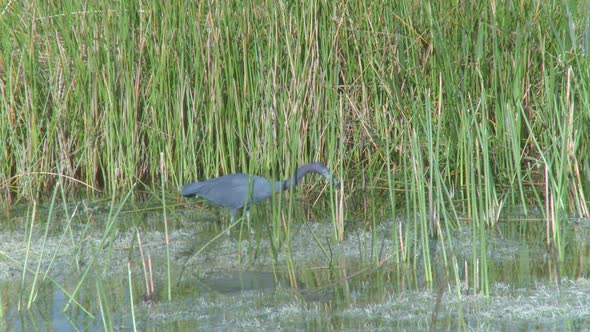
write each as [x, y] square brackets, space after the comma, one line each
[101, 91]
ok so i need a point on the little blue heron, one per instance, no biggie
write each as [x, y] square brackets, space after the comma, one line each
[236, 191]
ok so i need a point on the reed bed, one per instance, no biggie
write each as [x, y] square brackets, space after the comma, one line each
[488, 93]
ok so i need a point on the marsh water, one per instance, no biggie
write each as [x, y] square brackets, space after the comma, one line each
[83, 275]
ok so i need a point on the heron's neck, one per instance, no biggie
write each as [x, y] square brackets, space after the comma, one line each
[294, 179]
[279, 186]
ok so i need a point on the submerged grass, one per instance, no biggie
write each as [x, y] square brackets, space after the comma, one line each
[360, 272]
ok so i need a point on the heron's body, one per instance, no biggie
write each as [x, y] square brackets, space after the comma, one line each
[233, 191]
[236, 191]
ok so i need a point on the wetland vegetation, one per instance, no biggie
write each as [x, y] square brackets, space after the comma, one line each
[460, 130]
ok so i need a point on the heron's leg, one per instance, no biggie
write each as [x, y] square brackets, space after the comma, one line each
[248, 218]
[232, 217]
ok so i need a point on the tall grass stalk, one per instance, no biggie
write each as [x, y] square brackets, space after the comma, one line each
[29, 236]
[2, 321]
[131, 300]
[397, 238]
[419, 187]
[164, 214]
[103, 306]
[41, 258]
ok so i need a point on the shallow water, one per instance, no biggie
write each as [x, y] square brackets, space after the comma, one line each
[242, 281]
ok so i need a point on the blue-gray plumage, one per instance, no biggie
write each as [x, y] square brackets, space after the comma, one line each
[236, 191]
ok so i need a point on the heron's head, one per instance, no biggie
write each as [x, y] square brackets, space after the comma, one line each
[336, 182]
[330, 177]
